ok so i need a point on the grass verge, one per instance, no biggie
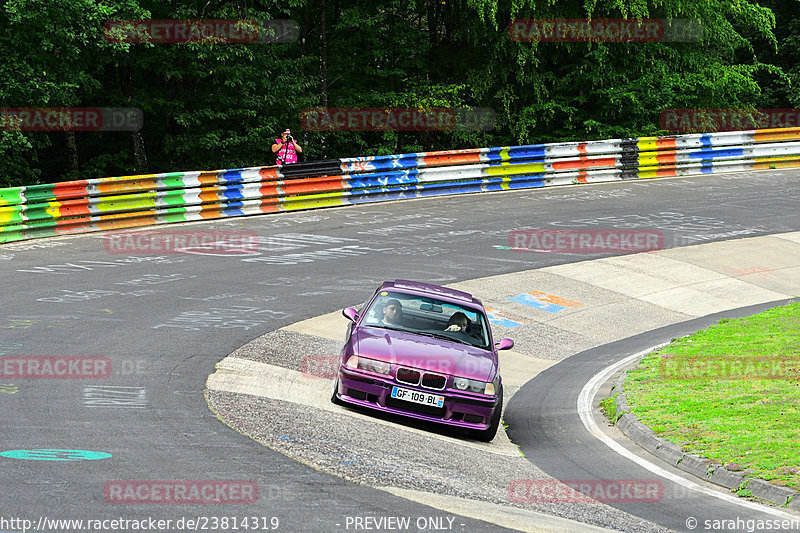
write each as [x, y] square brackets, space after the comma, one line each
[609, 408]
[730, 393]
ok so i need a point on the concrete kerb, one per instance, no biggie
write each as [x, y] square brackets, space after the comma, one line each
[693, 464]
[772, 493]
[696, 465]
[795, 503]
[726, 478]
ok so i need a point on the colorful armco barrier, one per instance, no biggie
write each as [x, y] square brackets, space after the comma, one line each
[131, 201]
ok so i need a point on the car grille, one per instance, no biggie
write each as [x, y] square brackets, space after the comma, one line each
[433, 381]
[428, 380]
[408, 375]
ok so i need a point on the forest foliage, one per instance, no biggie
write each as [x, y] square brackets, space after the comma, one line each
[211, 105]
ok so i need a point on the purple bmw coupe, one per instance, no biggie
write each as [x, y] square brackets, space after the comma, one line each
[424, 352]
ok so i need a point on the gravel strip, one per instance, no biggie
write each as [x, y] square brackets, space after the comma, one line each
[288, 348]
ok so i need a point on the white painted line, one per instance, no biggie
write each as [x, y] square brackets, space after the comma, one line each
[585, 401]
[115, 396]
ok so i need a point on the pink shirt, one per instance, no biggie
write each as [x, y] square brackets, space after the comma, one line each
[287, 154]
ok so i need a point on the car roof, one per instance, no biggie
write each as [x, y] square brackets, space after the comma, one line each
[432, 290]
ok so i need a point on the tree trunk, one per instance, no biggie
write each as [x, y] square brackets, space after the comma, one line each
[139, 154]
[323, 69]
[72, 152]
[304, 32]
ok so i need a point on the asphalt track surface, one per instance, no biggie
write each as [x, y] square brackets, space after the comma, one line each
[544, 424]
[165, 320]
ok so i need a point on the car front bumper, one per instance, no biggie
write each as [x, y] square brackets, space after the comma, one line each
[373, 392]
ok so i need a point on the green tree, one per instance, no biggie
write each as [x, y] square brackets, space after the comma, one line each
[574, 90]
[213, 105]
[54, 54]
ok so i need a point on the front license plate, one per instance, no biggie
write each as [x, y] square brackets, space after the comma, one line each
[417, 397]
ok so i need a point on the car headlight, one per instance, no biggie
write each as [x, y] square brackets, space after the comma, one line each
[461, 383]
[492, 387]
[472, 385]
[369, 365]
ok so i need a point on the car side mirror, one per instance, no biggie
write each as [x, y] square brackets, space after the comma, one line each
[505, 344]
[350, 313]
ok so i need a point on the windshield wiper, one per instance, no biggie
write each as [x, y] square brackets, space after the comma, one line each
[469, 341]
[449, 338]
[435, 335]
[393, 328]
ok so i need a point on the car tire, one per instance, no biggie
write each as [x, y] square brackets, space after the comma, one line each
[335, 399]
[486, 435]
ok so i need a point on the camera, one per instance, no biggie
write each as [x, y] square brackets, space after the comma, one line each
[289, 137]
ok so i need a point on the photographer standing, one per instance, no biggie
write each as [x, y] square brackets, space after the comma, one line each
[286, 148]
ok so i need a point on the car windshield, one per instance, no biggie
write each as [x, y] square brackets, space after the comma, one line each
[428, 316]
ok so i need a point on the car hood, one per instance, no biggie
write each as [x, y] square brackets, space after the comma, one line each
[428, 353]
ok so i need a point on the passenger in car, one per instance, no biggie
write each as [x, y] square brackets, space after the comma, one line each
[458, 322]
[392, 313]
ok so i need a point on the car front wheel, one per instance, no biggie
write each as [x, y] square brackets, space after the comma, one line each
[335, 399]
[486, 435]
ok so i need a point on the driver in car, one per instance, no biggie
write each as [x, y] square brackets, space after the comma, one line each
[392, 313]
[458, 322]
